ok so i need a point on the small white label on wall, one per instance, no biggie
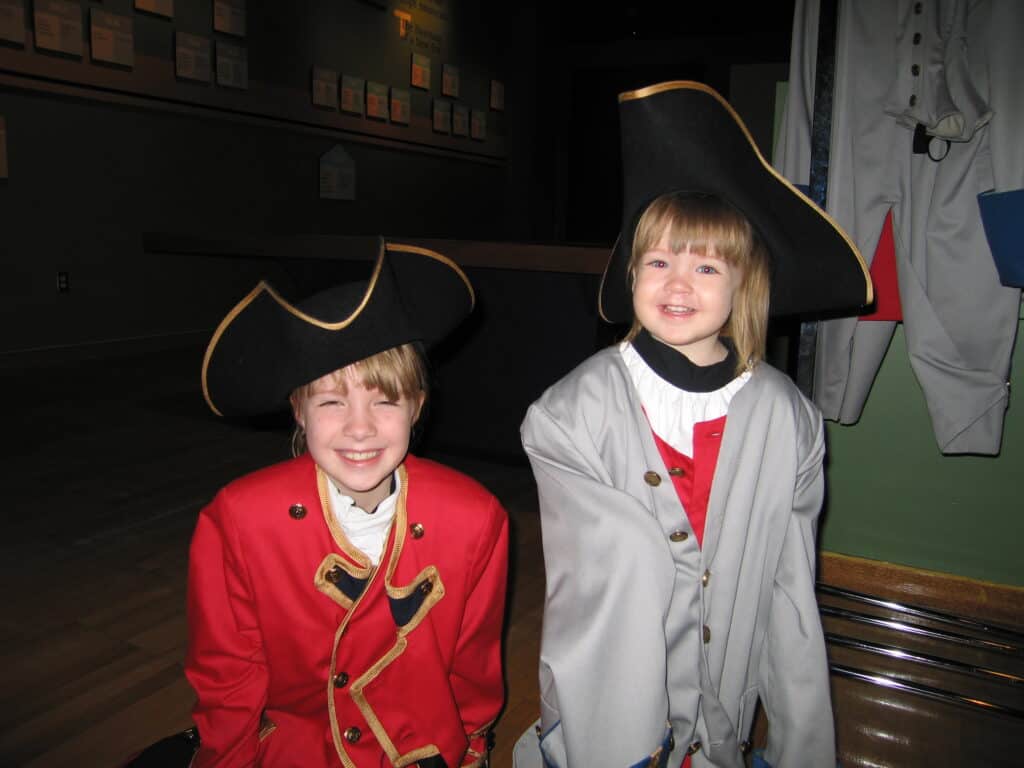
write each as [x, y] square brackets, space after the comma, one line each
[337, 175]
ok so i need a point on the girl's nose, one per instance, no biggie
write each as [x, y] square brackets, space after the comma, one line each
[360, 424]
[679, 280]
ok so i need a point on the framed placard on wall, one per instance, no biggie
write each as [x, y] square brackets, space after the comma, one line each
[353, 94]
[192, 59]
[450, 81]
[232, 65]
[442, 116]
[460, 120]
[420, 75]
[401, 107]
[478, 124]
[325, 88]
[111, 38]
[12, 21]
[163, 8]
[376, 100]
[58, 26]
[229, 17]
[497, 96]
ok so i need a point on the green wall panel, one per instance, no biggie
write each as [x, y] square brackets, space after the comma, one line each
[893, 496]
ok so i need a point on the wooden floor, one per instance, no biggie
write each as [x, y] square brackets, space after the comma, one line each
[106, 463]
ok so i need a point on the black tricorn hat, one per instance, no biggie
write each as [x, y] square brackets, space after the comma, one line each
[683, 136]
[267, 346]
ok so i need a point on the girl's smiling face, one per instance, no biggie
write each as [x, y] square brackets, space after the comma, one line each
[684, 299]
[358, 436]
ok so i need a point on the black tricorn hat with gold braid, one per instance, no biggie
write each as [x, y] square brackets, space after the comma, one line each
[267, 346]
[683, 136]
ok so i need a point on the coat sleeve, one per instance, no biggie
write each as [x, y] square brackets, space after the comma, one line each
[794, 670]
[602, 668]
[476, 677]
[225, 663]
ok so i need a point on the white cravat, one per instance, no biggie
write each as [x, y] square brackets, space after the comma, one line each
[367, 531]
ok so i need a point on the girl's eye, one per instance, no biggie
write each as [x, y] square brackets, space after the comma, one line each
[328, 403]
[707, 269]
[657, 263]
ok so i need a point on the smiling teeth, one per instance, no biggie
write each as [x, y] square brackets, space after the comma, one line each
[673, 308]
[360, 455]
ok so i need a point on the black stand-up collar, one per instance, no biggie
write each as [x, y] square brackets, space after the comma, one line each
[679, 371]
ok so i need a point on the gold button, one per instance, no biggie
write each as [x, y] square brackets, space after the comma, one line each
[679, 536]
[652, 478]
[676, 472]
[707, 634]
[693, 748]
[353, 734]
[333, 575]
[705, 578]
[297, 511]
[426, 587]
[341, 680]
[416, 529]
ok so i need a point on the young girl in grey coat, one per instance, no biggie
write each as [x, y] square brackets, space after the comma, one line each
[680, 476]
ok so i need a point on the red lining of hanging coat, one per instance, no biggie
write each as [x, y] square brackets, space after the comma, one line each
[883, 275]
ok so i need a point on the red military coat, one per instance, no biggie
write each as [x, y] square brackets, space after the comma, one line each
[302, 653]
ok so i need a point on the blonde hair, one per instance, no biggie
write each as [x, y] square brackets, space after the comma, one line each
[397, 372]
[702, 223]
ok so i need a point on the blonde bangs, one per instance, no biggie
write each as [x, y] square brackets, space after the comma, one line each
[397, 372]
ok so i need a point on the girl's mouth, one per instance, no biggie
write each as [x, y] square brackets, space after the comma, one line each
[359, 455]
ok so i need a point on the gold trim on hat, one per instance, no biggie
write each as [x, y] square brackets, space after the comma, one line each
[264, 287]
[404, 248]
[672, 85]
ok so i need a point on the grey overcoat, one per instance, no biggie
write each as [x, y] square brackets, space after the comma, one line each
[641, 625]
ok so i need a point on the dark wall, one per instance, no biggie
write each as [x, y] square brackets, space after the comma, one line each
[99, 156]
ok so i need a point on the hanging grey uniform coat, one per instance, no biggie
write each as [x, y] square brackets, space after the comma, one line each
[641, 625]
[952, 66]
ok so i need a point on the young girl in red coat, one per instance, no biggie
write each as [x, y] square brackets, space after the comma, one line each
[345, 606]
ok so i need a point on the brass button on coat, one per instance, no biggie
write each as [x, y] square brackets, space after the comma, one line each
[652, 478]
[676, 472]
[297, 511]
[705, 578]
[693, 748]
[426, 588]
[707, 634]
[416, 529]
[679, 536]
[352, 734]
[341, 680]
